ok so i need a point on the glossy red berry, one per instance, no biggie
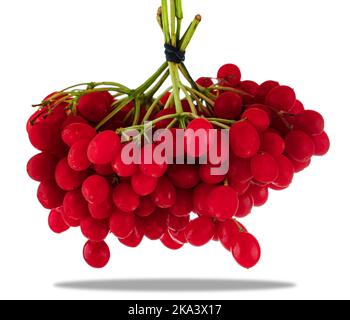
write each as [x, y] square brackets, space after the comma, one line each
[322, 144]
[56, 221]
[96, 254]
[300, 166]
[75, 132]
[67, 178]
[178, 236]
[264, 89]
[150, 165]
[165, 194]
[177, 223]
[244, 139]
[286, 172]
[207, 174]
[50, 195]
[134, 239]
[299, 146]
[77, 156]
[240, 170]
[44, 137]
[95, 106]
[169, 242]
[222, 202]
[310, 121]
[281, 97]
[143, 185]
[102, 210]
[228, 106]
[258, 118]
[200, 198]
[184, 176]
[95, 189]
[125, 198]
[272, 143]
[245, 207]
[94, 230]
[41, 167]
[183, 205]
[228, 233]
[229, 75]
[75, 206]
[122, 224]
[264, 168]
[104, 147]
[246, 251]
[205, 82]
[297, 108]
[121, 168]
[259, 194]
[200, 231]
[146, 207]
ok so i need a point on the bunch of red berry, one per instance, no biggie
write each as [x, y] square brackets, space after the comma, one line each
[86, 182]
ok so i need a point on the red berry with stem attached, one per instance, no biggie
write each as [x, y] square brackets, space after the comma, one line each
[310, 121]
[245, 207]
[67, 178]
[286, 172]
[184, 176]
[143, 185]
[228, 233]
[104, 147]
[41, 167]
[258, 118]
[228, 106]
[299, 146]
[200, 231]
[56, 222]
[264, 168]
[122, 224]
[246, 251]
[96, 254]
[165, 194]
[272, 143]
[169, 242]
[249, 86]
[259, 194]
[281, 98]
[50, 195]
[146, 207]
[183, 205]
[244, 139]
[75, 132]
[229, 75]
[125, 198]
[77, 156]
[205, 82]
[75, 206]
[197, 140]
[150, 165]
[94, 230]
[322, 144]
[95, 189]
[222, 202]
[95, 106]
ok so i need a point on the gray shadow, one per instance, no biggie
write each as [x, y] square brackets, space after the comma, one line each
[174, 285]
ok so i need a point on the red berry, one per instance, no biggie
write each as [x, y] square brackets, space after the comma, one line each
[163, 123]
[165, 194]
[200, 231]
[177, 223]
[205, 82]
[249, 86]
[73, 119]
[122, 224]
[143, 185]
[309, 121]
[322, 144]
[75, 206]
[95, 106]
[94, 230]
[56, 222]
[150, 165]
[178, 236]
[207, 176]
[134, 239]
[264, 168]
[184, 176]
[77, 131]
[69, 221]
[41, 167]
[246, 203]
[299, 146]
[244, 140]
[228, 106]
[146, 207]
[67, 178]
[228, 233]
[222, 202]
[44, 137]
[165, 98]
[286, 172]
[103, 169]
[246, 251]
[229, 75]
[297, 108]
[95, 189]
[197, 137]
[102, 210]
[300, 166]
[77, 156]
[169, 242]
[183, 205]
[239, 187]
[281, 98]
[104, 147]
[259, 194]
[240, 170]
[96, 254]
[125, 198]
[272, 143]
[200, 198]
[50, 195]
[258, 118]
[121, 168]
[155, 225]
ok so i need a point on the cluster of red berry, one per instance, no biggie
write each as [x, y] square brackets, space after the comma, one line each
[85, 182]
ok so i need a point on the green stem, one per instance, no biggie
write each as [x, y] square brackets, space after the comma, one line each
[225, 121]
[201, 95]
[137, 111]
[189, 33]
[173, 23]
[188, 98]
[154, 104]
[173, 67]
[153, 90]
[172, 123]
[165, 19]
[241, 92]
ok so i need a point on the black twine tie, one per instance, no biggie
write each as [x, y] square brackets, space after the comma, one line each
[174, 54]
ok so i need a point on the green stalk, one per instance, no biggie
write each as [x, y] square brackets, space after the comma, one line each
[154, 104]
[189, 33]
[153, 90]
[173, 23]
[174, 73]
[188, 98]
[165, 19]
[137, 111]
[179, 17]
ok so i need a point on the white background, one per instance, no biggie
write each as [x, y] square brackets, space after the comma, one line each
[304, 231]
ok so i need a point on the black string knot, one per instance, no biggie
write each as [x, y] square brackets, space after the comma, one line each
[174, 54]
